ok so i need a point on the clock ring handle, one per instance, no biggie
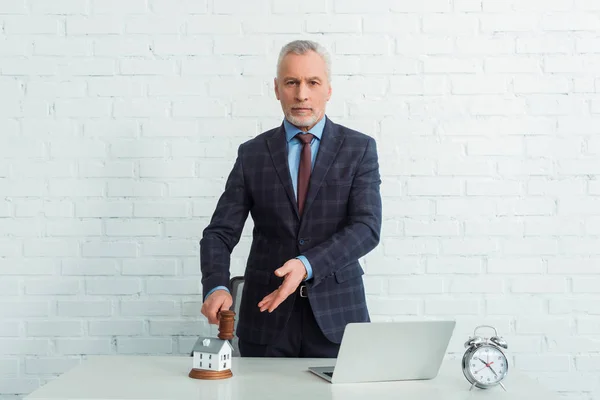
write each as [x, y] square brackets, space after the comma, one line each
[485, 326]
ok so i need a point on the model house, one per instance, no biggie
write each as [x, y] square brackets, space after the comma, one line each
[212, 354]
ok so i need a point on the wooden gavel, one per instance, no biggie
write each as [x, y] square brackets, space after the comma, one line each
[226, 322]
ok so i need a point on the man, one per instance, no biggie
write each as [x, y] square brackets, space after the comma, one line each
[316, 209]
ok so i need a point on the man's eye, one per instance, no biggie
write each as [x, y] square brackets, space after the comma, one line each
[314, 83]
[289, 83]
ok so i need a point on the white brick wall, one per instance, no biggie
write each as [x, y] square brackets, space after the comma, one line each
[120, 121]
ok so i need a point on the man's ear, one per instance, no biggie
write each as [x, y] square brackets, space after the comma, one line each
[276, 88]
[329, 93]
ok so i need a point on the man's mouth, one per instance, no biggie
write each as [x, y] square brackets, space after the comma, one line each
[301, 109]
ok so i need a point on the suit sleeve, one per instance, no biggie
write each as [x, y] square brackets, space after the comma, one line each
[224, 230]
[362, 232]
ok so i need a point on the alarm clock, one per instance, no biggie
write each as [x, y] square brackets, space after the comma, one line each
[484, 363]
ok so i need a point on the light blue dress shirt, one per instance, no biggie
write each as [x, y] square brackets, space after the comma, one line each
[294, 148]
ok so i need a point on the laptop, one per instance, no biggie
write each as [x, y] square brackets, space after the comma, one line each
[389, 351]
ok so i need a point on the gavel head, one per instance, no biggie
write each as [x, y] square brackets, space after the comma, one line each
[226, 323]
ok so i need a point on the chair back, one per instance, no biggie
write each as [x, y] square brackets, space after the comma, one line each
[236, 285]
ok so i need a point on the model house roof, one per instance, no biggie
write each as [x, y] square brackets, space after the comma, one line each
[210, 345]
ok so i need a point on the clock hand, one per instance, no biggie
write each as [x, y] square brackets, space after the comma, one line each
[481, 369]
[487, 365]
[495, 374]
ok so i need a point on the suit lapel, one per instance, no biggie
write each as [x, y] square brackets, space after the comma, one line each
[278, 148]
[331, 142]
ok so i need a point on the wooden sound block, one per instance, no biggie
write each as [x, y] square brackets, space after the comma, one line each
[204, 374]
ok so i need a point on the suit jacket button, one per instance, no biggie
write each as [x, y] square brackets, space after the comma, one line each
[301, 241]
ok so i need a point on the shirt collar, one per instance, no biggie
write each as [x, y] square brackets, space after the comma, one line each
[291, 130]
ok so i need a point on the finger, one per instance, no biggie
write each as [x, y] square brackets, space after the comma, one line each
[212, 317]
[265, 299]
[223, 304]
[205, 311]
[212, 310]
[227, 303]
[267, 303]
[283, 293]
[268, 297]
[276, 302]
[266, 306]
[283, 270]
[264, 303]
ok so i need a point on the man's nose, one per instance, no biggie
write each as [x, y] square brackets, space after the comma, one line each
[302, 92]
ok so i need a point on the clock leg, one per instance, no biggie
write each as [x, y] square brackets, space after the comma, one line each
[473, 384]
[503, 387]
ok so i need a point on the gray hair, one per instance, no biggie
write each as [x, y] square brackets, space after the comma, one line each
[302, 47]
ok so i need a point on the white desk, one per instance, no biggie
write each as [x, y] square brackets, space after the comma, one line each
[138, 377]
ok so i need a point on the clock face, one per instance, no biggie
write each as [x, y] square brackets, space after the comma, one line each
[488, 365]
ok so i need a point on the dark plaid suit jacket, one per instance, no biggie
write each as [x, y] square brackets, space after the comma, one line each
[340, 224]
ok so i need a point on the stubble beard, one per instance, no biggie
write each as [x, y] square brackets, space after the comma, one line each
[302, 122]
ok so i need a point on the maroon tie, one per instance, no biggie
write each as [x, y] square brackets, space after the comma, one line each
[304, 169]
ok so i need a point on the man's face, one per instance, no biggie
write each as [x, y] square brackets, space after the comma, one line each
[303, 89]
